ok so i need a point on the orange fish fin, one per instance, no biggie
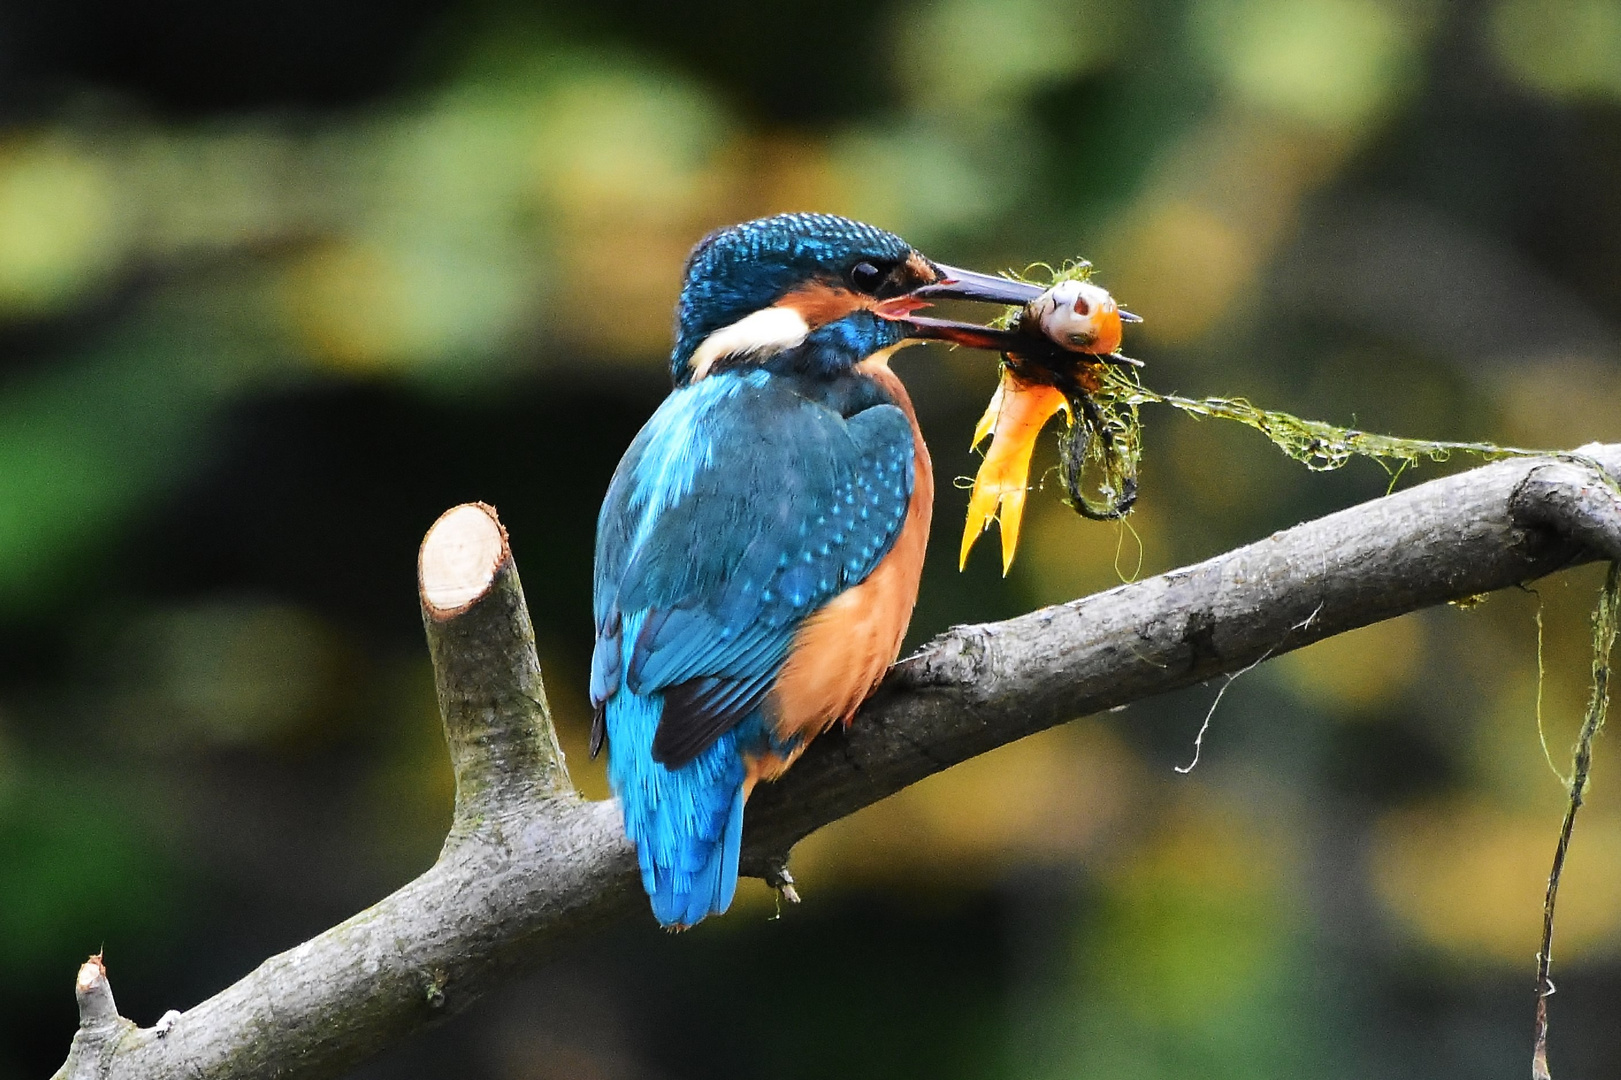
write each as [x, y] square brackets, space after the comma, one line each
[1017, 413]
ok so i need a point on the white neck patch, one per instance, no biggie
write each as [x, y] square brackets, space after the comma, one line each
[769, 330]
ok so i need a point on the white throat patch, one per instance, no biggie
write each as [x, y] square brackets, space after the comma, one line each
[769, 330]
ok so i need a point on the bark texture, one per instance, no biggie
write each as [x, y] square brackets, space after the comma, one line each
[528, 865]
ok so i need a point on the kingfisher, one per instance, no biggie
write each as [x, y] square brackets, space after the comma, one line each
[759, 548]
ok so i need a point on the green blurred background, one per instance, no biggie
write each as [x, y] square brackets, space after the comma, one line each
[280, 282]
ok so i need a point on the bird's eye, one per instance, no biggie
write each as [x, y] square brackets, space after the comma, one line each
[866, 277]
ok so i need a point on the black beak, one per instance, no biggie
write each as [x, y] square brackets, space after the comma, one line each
[955, 284]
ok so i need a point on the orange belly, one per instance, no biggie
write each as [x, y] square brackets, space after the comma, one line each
[841, 653]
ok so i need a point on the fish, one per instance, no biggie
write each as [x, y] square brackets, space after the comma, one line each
[1060, 344]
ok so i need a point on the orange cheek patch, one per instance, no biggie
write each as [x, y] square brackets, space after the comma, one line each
[819, 304]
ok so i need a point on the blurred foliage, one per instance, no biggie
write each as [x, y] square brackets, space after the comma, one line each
[1567, 49]
[77, 871]
[277, 284]
[1194, 959]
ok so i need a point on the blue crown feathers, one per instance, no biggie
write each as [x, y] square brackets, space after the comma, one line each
[736, 271]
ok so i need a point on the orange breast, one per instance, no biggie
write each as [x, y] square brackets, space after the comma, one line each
[841, 653]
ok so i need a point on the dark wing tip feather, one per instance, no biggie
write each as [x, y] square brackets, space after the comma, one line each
[599, 730]
[699, 711]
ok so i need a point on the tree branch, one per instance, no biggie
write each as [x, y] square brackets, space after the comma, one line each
[1572, 497]
[528, 866]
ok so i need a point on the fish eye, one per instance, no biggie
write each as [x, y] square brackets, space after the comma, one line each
[867, 277]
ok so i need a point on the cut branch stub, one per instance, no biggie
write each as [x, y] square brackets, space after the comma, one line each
[101, 1030]
[499, 728]
[96, 1006]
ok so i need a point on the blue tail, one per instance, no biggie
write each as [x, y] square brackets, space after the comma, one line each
[683, 899]
[686, 823]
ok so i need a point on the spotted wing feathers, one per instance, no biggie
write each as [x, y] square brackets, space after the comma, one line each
[797, 504]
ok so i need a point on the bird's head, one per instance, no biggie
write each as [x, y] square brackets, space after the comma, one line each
[816, 294]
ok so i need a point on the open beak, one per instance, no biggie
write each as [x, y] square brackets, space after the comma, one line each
[955, 284]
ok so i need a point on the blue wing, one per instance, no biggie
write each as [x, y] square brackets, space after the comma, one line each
[742, 507]
[746, 503]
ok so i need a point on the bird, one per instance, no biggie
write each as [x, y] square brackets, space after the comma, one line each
[760, 545]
